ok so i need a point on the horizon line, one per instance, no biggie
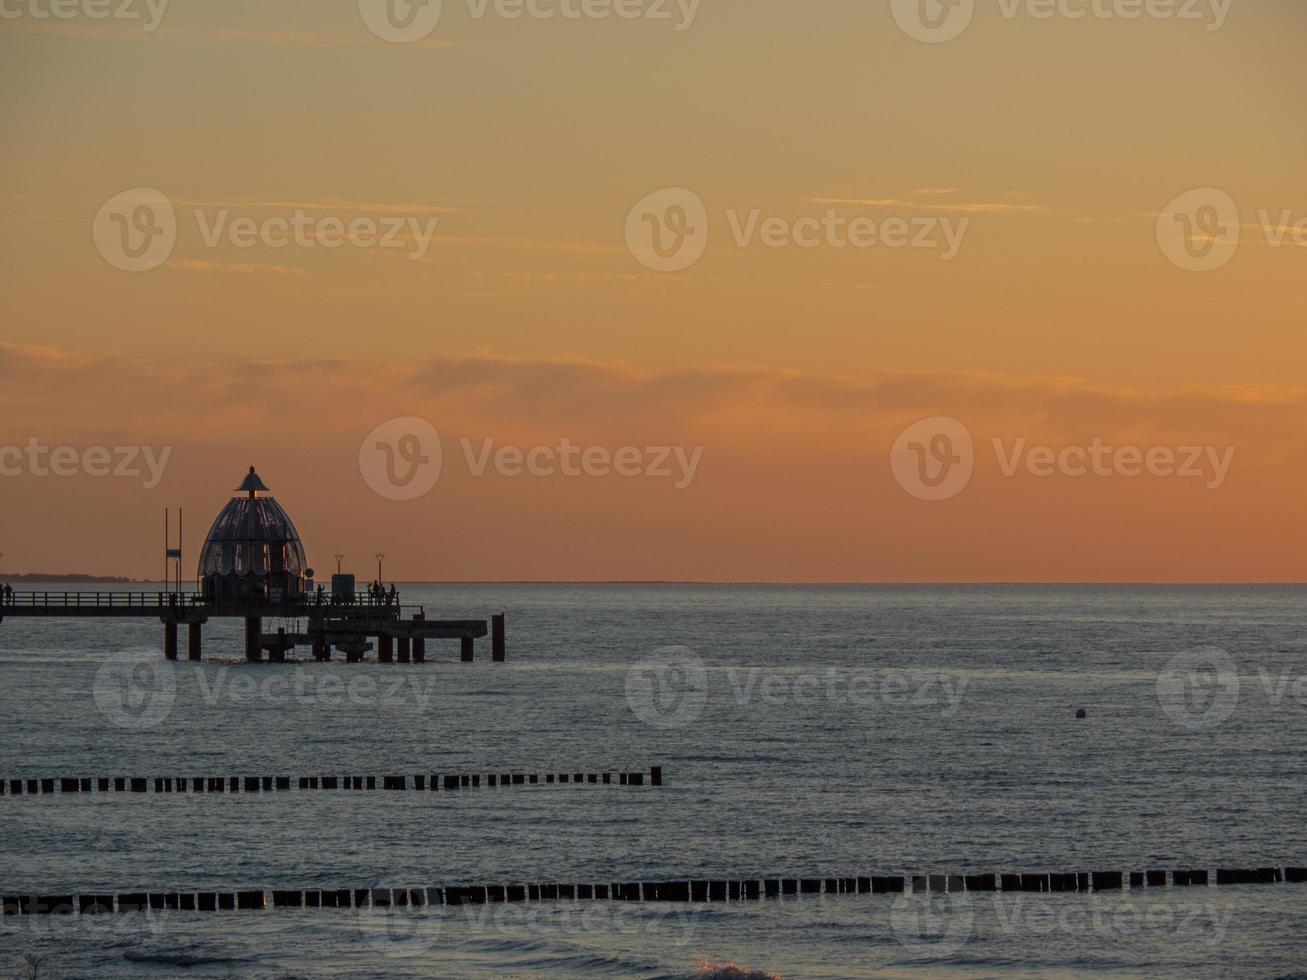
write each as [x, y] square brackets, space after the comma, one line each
[126, 580]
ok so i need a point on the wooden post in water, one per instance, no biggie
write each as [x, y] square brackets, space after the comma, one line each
[497, 640]
[170, 639]
[385, 648]
[405, 654]
[419, 650]
[194, 640]
[278, 652]
[253, 637]
[468, 648]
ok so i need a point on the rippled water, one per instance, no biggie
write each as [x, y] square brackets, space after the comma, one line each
[807, 731]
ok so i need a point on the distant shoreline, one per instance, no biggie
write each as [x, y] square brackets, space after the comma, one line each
[78, 578]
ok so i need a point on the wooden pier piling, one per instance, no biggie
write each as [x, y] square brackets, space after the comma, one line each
[170, 639]
[467, 649]
[253, 638]
[497, 638]
[277, 650]
[195, 640]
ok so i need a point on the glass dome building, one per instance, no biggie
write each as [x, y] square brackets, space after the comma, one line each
[253, 552]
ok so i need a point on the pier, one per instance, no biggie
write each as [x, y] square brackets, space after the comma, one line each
[352, 627]
[252, 567]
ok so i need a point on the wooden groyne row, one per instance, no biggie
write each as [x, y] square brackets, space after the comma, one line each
[265, 784]
[718, 890]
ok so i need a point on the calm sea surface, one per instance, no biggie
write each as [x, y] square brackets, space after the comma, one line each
[803, 732]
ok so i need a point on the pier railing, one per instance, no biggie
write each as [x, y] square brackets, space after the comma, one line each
[90, 600]
[188, 600]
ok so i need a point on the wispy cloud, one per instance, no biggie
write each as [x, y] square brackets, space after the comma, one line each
[329, 204]
[204, 265]
[128, 31]
[907, 204]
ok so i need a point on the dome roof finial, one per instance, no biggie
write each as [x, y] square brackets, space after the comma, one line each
[252, 484]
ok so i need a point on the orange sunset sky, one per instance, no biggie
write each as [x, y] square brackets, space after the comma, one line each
[527, 318]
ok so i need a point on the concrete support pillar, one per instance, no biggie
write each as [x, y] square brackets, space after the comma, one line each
[404, 649]
[170, 639]
[468, 648]
[497, 639]
[253, 637]
[195, 641]
[419, 650]
[385, 649]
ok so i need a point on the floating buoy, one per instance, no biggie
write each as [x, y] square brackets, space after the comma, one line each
[1082, 714]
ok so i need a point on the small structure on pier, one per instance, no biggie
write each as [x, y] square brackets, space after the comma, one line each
[253, 552]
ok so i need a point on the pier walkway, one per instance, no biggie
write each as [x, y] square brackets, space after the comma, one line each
[348, 624]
